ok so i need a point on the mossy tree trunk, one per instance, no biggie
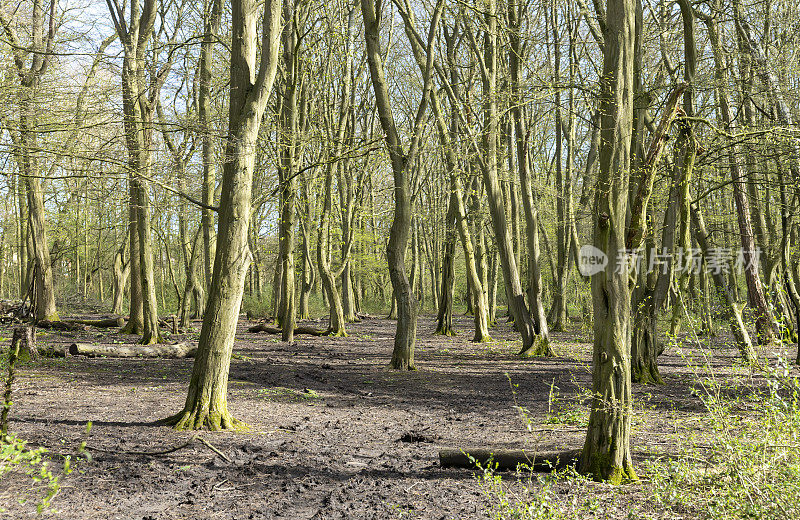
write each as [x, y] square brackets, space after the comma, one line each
[139, 101]
[558, 311]
[42, 28]
[287, 315]
[251, 83]
[515, 297]
[516, 11]
[606, 452]
[477, 301]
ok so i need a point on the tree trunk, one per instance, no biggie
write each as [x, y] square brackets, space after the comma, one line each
[765, 328]
[523, 166]
[515, 296]
[287, 314]
[606, 453]
[121, 270]
[407, 307]
[444, 317]
[251, 83]
[738, 328]
[212, 12]
[558, 312]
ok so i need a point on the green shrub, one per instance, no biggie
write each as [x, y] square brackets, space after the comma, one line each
[15, 456]
[749, 466]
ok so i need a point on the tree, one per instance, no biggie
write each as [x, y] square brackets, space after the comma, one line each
[251, 83]
[139, 100]
[27, 148]
[606, 452]
[402, 161]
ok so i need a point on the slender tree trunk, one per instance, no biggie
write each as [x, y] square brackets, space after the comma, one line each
[212, 12]
[407, 306]
[444, 317]
[515, 12]
[738, 328]
[558, 312]
[515, 296]
[765, 328]
[308, 273]
[287, 315]
[44, 307]
[121, 270]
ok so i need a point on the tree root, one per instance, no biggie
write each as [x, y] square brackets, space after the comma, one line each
[207, 420]
[446, 331]
[540, 348]
[401, 365]
[481, 338]
[167, 451]
[132, 329]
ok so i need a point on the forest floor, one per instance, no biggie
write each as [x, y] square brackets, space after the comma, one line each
[334, 434]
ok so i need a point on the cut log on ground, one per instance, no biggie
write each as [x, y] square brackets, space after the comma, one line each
[297, 331]
[508, 459]
[179, 350]
[104, 323]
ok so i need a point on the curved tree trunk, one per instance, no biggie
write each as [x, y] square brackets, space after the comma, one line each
[407, 307]
[515, 296]
[523, 167]
[251, 83]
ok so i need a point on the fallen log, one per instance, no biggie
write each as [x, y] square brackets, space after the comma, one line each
[54, 351]
[14, 310]
[61, 325]
[507, 459]
[178, 350]
[119, 321]
[297, 330]
[169, 322]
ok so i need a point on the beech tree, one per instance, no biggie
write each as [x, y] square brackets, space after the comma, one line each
[252, 78]
[606, 453]
[26, 150]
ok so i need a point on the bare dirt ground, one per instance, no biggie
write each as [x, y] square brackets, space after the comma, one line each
[334, 434]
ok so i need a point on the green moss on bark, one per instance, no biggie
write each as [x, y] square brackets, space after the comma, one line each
[540, 348]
